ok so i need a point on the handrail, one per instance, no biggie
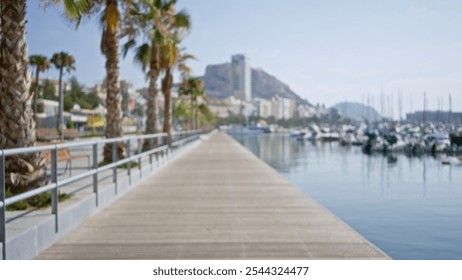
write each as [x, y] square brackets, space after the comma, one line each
[29, 194]
[181, 137]
[15, 151]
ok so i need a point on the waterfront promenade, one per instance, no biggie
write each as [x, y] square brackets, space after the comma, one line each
[215, 201]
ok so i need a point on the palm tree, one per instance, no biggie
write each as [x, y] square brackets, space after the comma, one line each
[17, 126]
[62, 61]
[111, 19]
[170, 52]
[147, 21]
[163, 26]
[176, 23]
[41, 64]
[110, 48]
[194, 88]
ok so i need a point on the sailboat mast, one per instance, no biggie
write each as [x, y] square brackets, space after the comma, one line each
[400, 105]
[424, 117]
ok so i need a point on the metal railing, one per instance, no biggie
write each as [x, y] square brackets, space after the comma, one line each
[157, 143]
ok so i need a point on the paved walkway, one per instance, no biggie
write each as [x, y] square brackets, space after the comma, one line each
[217, 201]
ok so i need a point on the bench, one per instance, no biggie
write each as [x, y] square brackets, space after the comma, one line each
[64, 155]
[48, 134]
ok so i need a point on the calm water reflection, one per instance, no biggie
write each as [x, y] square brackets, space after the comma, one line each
[411, 209]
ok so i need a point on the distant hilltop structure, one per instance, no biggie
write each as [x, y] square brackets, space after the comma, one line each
[241, 78]
[237, 89]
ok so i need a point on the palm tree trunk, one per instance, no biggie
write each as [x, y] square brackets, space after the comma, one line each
[167, 91]
[60, 119]
[110, 48]
[152, 113]
[17, 125]
[36, 92]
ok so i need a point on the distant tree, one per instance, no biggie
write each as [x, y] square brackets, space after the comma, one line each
[68, 102]
[93, 99]
[41, 64]
[193, 88]
[62, 61]
[206, 117]
[76, 89]
[48, 90]
[77, 95]
[181, 111]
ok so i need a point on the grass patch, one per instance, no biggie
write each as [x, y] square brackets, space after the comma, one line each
[39, 201]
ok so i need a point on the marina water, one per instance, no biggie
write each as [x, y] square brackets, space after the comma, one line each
[411, 208]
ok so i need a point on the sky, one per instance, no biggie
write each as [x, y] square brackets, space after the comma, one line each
[327, 51]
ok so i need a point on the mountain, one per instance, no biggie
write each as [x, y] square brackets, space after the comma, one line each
[217, 80]
[357, 111]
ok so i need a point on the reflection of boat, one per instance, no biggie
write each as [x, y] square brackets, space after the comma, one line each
[297, 132]
[452, 161]
[392, 159]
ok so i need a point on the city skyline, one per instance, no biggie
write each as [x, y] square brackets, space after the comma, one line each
[327, 51]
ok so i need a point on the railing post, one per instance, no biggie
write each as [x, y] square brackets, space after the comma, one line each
[182, 140]
[95, 176]
[129, 163]
[114, 169]
[168, 148]
[158, 139]
[54, 179]
[3, 207]
[150, 154]
[140, 168]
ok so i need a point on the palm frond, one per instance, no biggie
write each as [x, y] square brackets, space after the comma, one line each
[127, 46]
[182, 20]
[75, 9]
[143, 55]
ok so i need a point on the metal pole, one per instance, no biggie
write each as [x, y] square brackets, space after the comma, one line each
[169, 148]
[150, 154]
[61, 108]
[54, 179]
[2, 209]
[95, 176]
[114, 169]
[139, 159]
[129, 154]
[157, 153]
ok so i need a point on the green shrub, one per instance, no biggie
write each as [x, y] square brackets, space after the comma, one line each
[39, 201]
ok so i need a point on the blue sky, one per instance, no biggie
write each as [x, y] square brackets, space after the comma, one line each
[326, 51]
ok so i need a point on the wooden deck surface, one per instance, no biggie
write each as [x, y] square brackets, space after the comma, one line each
[216, 201]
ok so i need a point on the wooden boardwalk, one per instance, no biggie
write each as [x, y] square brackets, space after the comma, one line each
[216, 201]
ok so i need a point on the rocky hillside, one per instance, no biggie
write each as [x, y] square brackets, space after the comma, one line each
[357, 111]
[217, 81]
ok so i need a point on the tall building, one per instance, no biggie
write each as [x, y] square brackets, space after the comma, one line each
[241, 77]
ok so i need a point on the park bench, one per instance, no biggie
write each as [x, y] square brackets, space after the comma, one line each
[64, 155]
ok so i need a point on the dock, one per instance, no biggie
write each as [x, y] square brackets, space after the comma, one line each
[215, 201]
